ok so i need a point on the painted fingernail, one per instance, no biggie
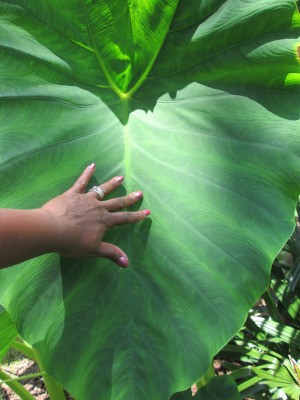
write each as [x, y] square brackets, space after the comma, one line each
[147, 212]
[138, 195]
[92, 166]
[119, 179]
[123, 262]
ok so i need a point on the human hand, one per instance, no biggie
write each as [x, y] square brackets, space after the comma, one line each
[81, 219]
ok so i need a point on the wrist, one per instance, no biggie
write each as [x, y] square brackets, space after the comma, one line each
[51, 242]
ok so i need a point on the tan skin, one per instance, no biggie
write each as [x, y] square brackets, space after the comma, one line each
[72, 224]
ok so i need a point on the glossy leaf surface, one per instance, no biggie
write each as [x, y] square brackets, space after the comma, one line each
[196, 103]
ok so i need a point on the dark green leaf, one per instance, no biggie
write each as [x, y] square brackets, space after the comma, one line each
[196, 103]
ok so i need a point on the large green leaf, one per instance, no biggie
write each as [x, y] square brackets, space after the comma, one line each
[197, 104]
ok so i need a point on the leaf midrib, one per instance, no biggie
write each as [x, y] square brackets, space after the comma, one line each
[144, 75]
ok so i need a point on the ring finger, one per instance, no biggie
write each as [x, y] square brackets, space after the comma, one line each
[106, 187]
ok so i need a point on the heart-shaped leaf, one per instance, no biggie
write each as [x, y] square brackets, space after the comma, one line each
[196, 103]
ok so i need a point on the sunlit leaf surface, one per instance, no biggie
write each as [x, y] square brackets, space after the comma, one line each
[197, 104]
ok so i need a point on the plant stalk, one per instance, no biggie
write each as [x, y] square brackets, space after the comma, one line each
[23, 348]
[54, 388]
[15, 386]
[23, 377]
[210, 373]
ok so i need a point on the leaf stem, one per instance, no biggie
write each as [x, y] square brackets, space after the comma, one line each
[54, 388]
[15, 386]
[23, 348]
[24, 377]
[210, 373]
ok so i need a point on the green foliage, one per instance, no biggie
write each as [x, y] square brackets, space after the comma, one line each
[218, 388]
[196, 103]
[8, 333]
[268, 346]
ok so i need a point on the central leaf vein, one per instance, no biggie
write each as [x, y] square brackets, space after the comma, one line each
[98, 56]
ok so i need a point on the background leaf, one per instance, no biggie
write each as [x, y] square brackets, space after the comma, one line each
[218, 388]
[210, 133]
[8, 333]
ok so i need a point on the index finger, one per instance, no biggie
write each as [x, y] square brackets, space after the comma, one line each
[81, 183]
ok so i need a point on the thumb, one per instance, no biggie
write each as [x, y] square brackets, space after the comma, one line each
[114, 253]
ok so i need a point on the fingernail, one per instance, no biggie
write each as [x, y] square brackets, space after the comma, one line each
[147, 212]
[123, 262]
[119, 179]
[138, 195]
[92, 166]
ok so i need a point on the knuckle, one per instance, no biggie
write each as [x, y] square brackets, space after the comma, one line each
[80, 181]
[140, 216]
[107, 219]
[127, 217]
[114, 182]
[120, 203]
[113, 254]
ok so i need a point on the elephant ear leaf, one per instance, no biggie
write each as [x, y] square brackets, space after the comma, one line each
[197, 104]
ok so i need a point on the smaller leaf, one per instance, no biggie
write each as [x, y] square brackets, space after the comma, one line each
[296, 369]
[244, 354]
[218, 388]
[8, 333]
[288, 298]
[282, 378]
[287, 334]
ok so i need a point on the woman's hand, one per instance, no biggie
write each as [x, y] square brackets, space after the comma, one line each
[81, 219]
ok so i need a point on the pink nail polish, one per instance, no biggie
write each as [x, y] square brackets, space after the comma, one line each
[123, 262]
[92, 166]
[138, 195]
[147, 212]
[119, 179]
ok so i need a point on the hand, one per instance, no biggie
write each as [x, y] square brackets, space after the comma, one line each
[81, 219]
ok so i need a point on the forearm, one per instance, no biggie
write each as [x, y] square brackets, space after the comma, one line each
[25, 234]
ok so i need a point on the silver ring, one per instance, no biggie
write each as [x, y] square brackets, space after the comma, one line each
[98, 190]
